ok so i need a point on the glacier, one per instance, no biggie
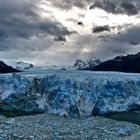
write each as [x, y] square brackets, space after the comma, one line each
[69, 93]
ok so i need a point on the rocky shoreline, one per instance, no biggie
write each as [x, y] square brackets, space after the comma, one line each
[51, 127]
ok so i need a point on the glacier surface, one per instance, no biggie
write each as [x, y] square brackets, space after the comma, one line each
[69, 93]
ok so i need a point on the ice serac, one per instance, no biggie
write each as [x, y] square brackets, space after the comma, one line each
[70, 93]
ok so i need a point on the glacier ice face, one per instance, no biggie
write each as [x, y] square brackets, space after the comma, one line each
[70, 93]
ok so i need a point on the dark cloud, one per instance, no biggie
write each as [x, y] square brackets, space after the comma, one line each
[128, 7]
[105, 5]
[99, 29]
[125, 42]
[22, 20]
[60, 39]
[26, 27]
[68, 4]
[131, 35]
[119, 28]
[80, 23]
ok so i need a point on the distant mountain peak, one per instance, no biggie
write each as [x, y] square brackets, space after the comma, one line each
[23, 65]
[88, 64]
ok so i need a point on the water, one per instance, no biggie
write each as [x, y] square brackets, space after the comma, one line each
[130, 116]
[11, 114]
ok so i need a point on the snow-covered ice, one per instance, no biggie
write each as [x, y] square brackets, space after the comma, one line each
[70, 93]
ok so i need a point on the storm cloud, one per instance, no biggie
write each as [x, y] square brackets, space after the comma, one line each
[60, 31]
[23, 19]
[69, 4]
[131, 35]
[100, 29]
[127, 7]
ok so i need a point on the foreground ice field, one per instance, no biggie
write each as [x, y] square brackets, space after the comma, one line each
[51, 127]
[69, 93]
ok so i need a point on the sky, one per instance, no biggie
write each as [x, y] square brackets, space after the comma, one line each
[58, 32]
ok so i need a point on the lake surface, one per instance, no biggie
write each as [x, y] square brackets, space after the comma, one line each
[130, 116]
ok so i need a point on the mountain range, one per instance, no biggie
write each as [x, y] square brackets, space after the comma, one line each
[129, 63]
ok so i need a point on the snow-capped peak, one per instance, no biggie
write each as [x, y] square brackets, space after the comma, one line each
[88, 64]
[23, 65]
[118, 58]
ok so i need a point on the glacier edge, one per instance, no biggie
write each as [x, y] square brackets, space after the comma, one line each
[75, 94]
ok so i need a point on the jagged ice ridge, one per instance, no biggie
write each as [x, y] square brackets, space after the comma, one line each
[70, 93]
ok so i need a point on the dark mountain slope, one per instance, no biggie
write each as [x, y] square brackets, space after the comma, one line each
[129, 63]
[6, 69]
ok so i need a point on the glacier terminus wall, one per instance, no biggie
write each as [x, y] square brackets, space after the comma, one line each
[69, 93]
